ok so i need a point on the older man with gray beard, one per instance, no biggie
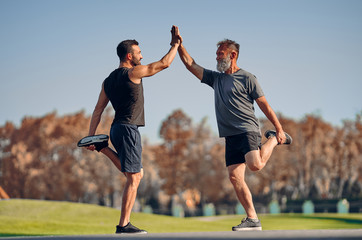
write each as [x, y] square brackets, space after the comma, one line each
[235, 91]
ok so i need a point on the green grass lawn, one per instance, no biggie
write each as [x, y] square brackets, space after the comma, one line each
[33, 217]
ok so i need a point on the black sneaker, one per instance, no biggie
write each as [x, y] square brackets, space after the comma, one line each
[272, 133]
[130, 229]
[99, 141]
[248, 224]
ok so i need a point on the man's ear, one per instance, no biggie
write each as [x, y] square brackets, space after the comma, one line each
[129, 56]
[233, 55]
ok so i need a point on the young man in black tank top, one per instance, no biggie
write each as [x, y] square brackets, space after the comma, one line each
[123, 88]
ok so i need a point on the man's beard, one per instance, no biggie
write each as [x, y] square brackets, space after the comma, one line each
[223, 65]
[135, 61]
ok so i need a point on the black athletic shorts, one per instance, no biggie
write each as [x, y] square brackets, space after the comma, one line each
[126, 139]
[238, 145]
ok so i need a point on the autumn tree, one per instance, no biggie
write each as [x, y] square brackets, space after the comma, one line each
[320, 164]
[347, 161]
[171, 156]
[208, 173]
[150, 186]
[40, 160]
[191, 159]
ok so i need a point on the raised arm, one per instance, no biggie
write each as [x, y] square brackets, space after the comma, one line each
[189, 62]
[269, 113]
[141, 71]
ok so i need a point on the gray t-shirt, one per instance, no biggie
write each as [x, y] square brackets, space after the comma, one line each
[234, 101]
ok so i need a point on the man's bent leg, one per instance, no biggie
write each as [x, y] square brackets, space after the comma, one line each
[129, 196]
[257, 159]
[113, 156]
[236, 176]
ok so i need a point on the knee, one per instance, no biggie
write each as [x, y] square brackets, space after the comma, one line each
[254, 161]
[255, 167]
[138, 177]
[141, 175]
[134, 179]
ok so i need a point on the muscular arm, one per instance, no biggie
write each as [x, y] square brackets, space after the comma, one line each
[141, 71]
[269, 113]
[189, 62]
[98, 110]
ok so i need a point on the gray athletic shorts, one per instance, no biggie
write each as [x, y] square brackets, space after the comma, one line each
[237, 146]
[126, 139]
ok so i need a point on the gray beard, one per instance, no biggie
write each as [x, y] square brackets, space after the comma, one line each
[223, 65]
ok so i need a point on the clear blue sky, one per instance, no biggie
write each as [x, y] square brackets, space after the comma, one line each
[55, 54]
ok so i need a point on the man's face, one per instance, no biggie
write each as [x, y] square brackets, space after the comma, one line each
[136, 55]
[223, 59]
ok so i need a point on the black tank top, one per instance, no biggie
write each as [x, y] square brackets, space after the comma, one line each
[126, 98]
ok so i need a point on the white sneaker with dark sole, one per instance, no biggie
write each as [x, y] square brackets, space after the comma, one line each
[91, 140]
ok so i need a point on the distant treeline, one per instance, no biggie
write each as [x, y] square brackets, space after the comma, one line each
[40, 160]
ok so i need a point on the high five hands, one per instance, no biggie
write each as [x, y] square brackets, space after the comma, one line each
[176, 37]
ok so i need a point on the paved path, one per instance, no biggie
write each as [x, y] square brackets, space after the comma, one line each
[345, 234]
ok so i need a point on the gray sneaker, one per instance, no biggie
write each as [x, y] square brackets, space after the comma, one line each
[248, 224]
[272, 133]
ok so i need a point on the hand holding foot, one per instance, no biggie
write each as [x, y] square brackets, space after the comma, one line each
[96, 142]
[287, 139]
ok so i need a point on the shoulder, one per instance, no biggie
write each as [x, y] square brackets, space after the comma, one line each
[246, 77]
[115, 76]
[212, 74]
[245, 73]
[209, 76]
[115, 73]
[136, 73]
[123, 70]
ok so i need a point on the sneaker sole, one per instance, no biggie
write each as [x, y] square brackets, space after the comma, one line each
[132, 233]
[87, 141]
[247, 229]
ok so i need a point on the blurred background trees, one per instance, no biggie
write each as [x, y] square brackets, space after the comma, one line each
[40, 160]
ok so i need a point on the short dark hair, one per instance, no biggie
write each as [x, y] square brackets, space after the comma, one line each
[125, 47]
[230, 44]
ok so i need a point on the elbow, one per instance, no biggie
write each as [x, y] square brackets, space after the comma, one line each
[190, 65]
[165, 64]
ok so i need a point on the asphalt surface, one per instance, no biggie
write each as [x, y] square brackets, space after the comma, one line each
[345, 234]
